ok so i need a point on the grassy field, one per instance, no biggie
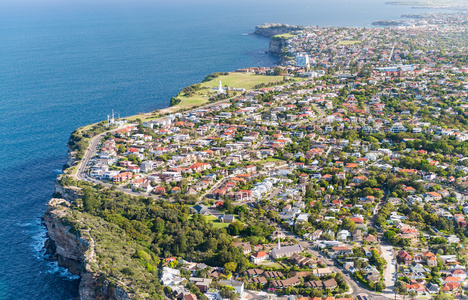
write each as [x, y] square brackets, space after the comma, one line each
[349, 42]
[241, 80]
[220, 225]
[235, 80]
[272, 265]
[216, 223]
[284, 36]
[211, 218]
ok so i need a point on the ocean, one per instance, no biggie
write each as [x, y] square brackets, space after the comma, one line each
[66, 64]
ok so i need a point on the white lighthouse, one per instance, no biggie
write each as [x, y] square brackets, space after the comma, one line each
[220, 88]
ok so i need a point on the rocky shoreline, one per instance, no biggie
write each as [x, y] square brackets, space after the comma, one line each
[71, 248]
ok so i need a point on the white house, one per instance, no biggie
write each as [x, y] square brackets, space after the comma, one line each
[259, 257]
[236, 284]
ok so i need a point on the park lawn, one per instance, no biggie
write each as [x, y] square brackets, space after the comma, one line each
[241, 80]
[269, 159]
[284, 36]
[190, 206]
[198, 98]
[349, 42]
[235, 80]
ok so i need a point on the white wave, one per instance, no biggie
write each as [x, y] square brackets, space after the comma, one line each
[24, 224]
[55, 269]
[38, 233]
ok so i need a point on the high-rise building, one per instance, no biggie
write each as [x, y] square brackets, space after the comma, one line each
[302, 60]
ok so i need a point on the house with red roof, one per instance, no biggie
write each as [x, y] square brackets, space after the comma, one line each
[160, 190]
[200, 167]
[359, 179]
[219, 193]
[459, 274]
[357, 220]
[433, 196]
[259, 257]
[250, 169]
[414, 286]
[133, 169]
[409, 190]
[121, 177]
[405, 257]
[450, 286]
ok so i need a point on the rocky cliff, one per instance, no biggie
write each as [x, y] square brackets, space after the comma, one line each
[70, 193]
[277, 44]
[269, 30]
[72, 246]
[64, 243]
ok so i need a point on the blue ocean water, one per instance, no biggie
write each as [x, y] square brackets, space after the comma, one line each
[65, 64]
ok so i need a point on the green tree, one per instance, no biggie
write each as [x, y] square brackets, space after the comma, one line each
[277, 71]
[400, 288]
[90, 202]
[140, 126]
[230, 267]
[227, 292]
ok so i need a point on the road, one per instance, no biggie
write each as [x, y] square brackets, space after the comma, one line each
[89, 154]
[390, 270]
[328, 151]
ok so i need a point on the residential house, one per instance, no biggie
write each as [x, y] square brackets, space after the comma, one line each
[203, 284]
[259, 257]
[321, 272]
[405, 257]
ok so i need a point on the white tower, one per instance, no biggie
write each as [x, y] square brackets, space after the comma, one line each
[220, 88]
[279, 243]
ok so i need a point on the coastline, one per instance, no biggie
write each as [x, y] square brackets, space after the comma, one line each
[70, 243]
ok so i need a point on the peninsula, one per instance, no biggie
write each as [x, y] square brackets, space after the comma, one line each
[339, 174]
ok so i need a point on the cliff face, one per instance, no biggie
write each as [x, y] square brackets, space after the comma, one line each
[276, 44]
[73, 248]
[64, 244]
